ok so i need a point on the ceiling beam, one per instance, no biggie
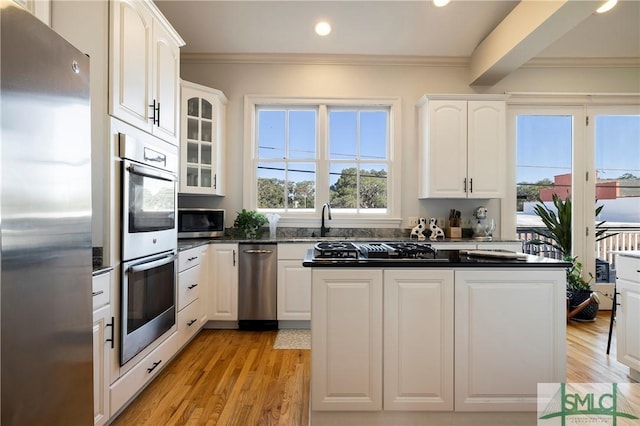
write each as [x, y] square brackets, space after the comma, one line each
[530, 27]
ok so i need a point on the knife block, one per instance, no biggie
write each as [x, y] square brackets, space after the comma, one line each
[454, 232]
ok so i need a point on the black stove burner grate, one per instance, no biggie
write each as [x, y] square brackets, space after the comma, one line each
[335, 250]
[414, 250]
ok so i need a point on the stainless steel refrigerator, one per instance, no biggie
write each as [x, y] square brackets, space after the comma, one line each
[45, 194]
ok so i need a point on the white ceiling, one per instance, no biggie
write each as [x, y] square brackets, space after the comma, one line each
[390, 28]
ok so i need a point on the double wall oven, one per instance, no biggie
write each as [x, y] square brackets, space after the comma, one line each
[149, 241]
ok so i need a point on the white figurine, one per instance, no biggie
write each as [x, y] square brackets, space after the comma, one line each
[418, 230]
[435, 230]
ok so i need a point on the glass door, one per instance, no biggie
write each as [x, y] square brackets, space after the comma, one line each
[616, 177]
[200, 143]
[547, 163]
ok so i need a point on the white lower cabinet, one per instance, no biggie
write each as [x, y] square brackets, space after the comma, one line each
[385, 339]
[510, 332]
[346, 337]
[192, 285]
[129, 384]
[628, 313]
[222, 296]
[418, 340]
[189, 322]
[102, 346]
[294, 283]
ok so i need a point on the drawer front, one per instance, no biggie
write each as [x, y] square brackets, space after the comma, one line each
[628, 268]
[189, 322]
[101, 290]
[189, 258]
[293, 251]
[188, 287]
[129, 384]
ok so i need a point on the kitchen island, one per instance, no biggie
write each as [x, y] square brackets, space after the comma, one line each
[447, 337]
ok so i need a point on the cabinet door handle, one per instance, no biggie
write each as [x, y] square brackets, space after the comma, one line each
[112, 332]
[471, 185]
[155, 111]
[192, 258]
[190, 323]
[155, 364]
[192, 286]
[465, 185]
[97, 293]
[215, 181]
[234, 258]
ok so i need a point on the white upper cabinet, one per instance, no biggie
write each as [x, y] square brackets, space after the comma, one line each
[41, 9]
[462, 147]
[202, 140]
[144, 68]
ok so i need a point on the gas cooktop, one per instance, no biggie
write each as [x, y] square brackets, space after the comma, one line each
[341, 250]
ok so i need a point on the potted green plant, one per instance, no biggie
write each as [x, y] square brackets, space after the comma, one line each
[249, 223]
[557, 234]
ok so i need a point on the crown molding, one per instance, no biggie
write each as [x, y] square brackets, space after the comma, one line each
[582, 63]
[393, 60]
[317, 59]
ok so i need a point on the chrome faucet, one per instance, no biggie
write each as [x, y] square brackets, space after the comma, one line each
[324, 229]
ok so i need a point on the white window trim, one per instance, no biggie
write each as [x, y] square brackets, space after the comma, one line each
[393, 217]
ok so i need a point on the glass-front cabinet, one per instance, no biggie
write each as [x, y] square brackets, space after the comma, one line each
[202, 140]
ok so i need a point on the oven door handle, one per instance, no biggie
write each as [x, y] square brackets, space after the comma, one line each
[144, 266]
[145, 171]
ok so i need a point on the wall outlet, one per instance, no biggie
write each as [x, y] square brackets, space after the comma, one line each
[413, 221]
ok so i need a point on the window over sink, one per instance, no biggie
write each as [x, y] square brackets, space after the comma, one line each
[301, 153]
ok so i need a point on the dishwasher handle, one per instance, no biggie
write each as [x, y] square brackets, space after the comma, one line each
[258, 251]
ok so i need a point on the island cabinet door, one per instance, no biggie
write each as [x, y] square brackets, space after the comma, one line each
[418, 340]
[628, 324]
[346, 340]
[510, 331]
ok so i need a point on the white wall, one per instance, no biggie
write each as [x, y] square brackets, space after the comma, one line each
[409, 82]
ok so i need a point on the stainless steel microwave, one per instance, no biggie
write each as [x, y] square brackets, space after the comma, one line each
[200, 223]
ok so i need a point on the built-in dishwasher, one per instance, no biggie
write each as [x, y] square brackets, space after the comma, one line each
[257, 286]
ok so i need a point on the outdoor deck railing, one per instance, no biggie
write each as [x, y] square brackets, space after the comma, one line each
[621, 238]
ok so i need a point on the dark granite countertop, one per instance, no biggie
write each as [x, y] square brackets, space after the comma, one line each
[444, 259]
[185, 244]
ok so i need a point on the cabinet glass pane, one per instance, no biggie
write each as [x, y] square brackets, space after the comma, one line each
[206, 131]
[207, 109]
[205, 154]
[192, 152]
[192, 176]
[205, 175]
[192, 128]
[193, 107]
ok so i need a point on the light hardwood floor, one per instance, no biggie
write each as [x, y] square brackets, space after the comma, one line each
[236, 378]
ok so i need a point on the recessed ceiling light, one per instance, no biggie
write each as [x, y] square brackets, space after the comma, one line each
[440, 3]
[607, 6]
[322, 28]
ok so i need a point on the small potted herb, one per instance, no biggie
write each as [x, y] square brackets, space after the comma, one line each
[249, 223]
